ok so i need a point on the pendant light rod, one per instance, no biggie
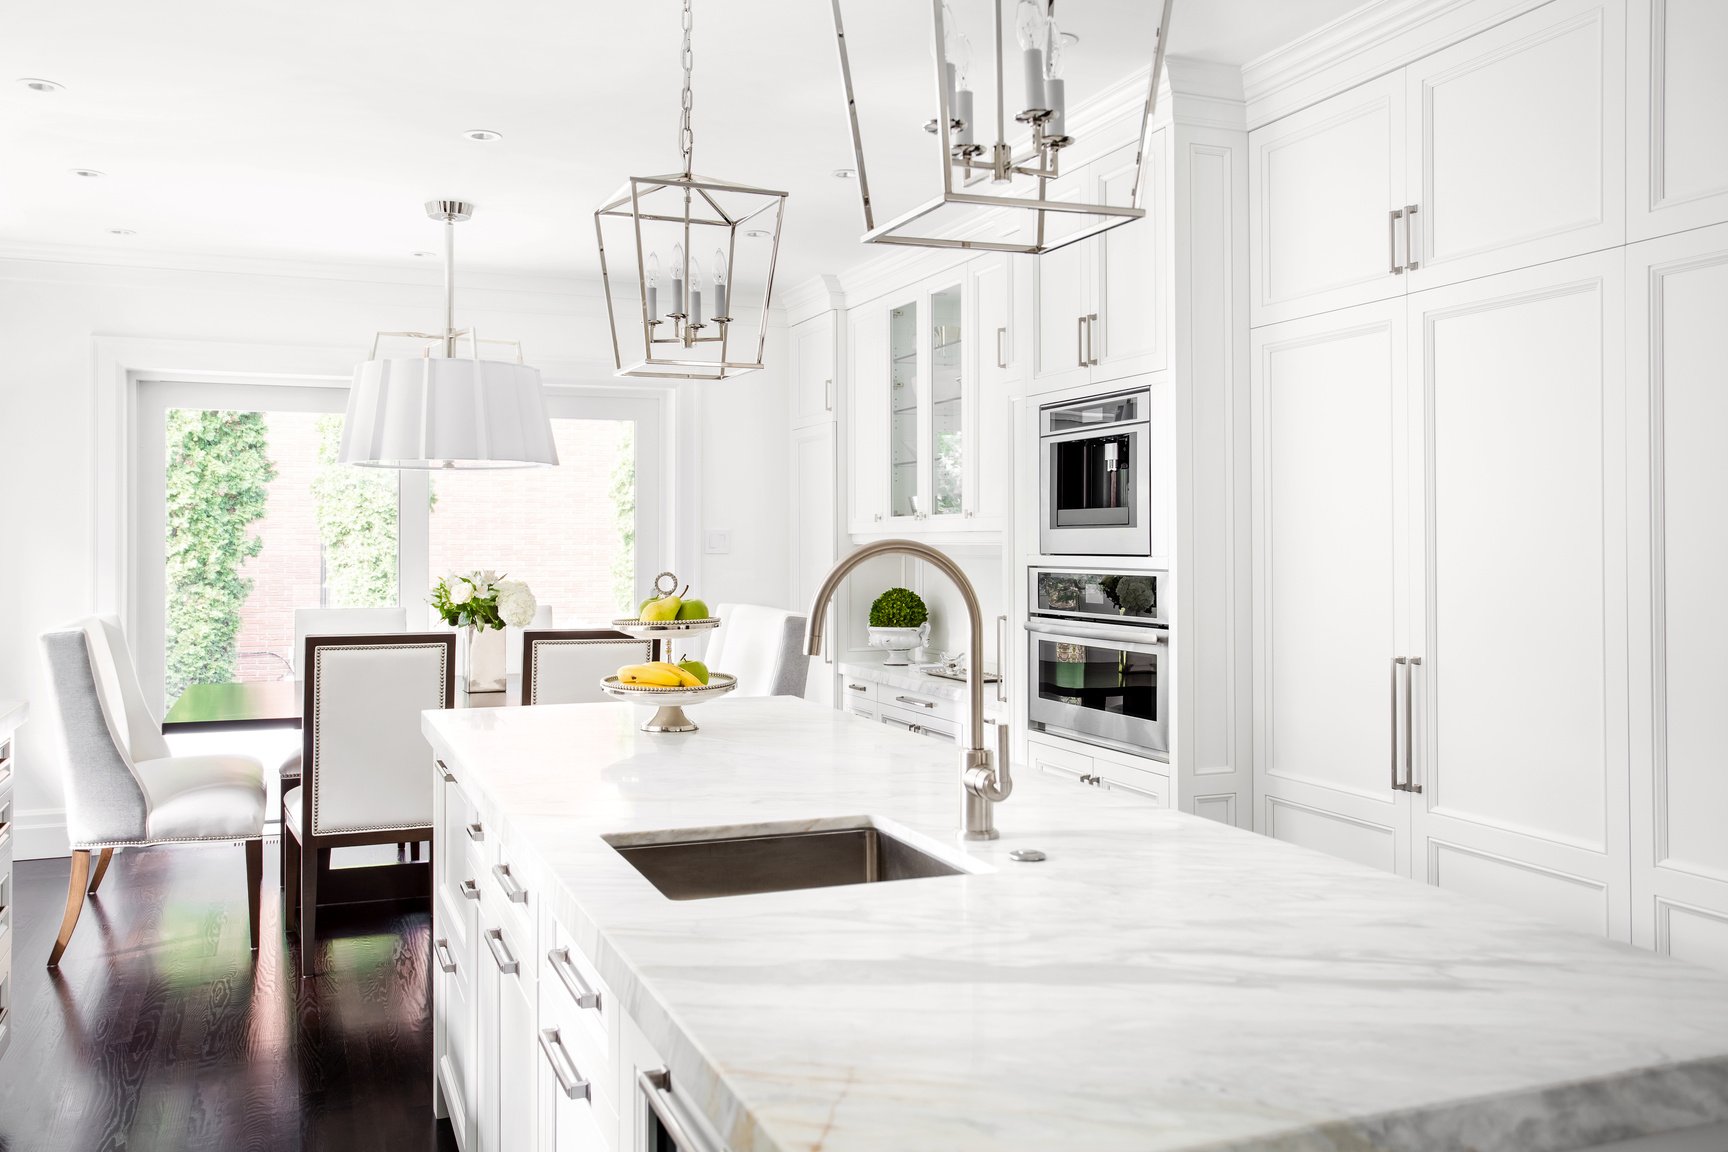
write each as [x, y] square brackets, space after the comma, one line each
[452, 213]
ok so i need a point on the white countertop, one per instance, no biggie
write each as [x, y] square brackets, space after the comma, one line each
[1160, 983]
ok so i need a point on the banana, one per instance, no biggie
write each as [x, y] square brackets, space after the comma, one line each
[685, 676]
[655, 675]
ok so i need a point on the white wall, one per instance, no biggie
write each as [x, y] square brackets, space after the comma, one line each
[733, 462]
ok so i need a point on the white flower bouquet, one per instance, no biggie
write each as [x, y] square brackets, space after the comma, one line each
[483, 600]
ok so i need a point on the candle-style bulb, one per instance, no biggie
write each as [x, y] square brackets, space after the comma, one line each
[677, 261]
[1055, 88]
[1029, 29]
[1029, 24]
[962, 61]
[653, 270]
[720, 293]
[719, 266]
[677, 280]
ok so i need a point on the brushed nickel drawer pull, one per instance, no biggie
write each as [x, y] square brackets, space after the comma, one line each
[565, 968]
[507, 963]
[857, 688]
[444, 771]
[569, 1082]
[475, 832]
[470, 890]
[513, 890]
[446, 958]
[913, 700]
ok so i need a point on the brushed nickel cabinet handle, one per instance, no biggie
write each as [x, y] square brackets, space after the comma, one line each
[444, 771]
[507, 963]
[1392, 218]
[565, 968]
[475, 832]
[513, 890]
[446, 958]
[1410, 784]
[857, 688]
[828, 395]
[1410, 260]
[1001, 356]
[1396, 660]
[569, 1078]
[913, 700]
[1080, 340]
[1091, 332]
[470, 890]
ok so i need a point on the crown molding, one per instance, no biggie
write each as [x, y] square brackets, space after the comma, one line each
[1377, 38]
[812, 297]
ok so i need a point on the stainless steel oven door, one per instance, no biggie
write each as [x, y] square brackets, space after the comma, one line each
[665, 1123]
[1094, 495]
[1100, 684]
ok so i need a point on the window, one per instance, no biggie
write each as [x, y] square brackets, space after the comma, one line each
[241, 515]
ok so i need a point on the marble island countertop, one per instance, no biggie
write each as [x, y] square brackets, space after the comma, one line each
[1159, 983]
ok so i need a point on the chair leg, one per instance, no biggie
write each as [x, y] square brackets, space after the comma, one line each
[291, 882]
[254, 881]
[414, 850]
[101, 869]
[309, 860]
[75, 891]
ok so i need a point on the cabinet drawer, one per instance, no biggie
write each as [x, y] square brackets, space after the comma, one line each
[511, 895]
[859, 691]
[453, 832]
[583, 1122]
[458, 1047]
[919, 703]
[922, 723]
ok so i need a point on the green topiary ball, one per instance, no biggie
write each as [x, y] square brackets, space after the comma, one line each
[898, 608]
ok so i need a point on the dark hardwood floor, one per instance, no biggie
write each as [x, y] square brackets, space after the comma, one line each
[161, 1032]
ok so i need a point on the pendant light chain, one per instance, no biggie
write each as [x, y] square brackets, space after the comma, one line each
[686, 137]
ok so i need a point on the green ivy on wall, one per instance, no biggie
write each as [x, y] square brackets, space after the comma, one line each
[217, 472]
[356, 513]
[624, 516]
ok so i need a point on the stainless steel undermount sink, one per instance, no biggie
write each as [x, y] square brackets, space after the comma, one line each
[700, 865]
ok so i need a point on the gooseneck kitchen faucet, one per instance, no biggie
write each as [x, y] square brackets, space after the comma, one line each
[984, 776]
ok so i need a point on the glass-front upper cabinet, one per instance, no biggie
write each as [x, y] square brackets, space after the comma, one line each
[904, 391]
[947, 402]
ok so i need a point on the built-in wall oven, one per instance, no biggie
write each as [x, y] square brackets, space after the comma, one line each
[1095, 493]
[1098, 648]
[665, 1122]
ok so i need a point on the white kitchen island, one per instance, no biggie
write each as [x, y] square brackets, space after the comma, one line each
[1160, 982]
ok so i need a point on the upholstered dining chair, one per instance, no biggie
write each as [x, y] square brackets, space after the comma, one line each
[124, 789]
[367, 763]
[762, 647]
[513, 636]
[329, 622]
[566, 666]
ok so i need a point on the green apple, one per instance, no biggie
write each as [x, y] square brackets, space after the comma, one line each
[693, 610]
[695, 667]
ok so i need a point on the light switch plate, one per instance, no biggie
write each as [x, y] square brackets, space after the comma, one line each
[718, 543]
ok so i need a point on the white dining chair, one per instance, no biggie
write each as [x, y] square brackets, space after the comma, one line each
[762, 647]
[566, 667]
[341, 622]
[367, 763]
[513, 636]
[124, 788]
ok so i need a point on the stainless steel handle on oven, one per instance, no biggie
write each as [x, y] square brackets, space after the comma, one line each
[1091, 331]
[1396, 660]
[470, 890]
[1410, 261]
[1001, 355]
[475, 832]
[1392, 218]
[686, 1132]
[507, 963]
[440, 950]
[570, 1080]
[1080, 340]
[913, 700]
[1410, 784]
[565, 968]
[1002, 659]
[449, 776]
[1130, 638]
[513, 890]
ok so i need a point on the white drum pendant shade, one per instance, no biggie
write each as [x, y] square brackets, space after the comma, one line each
[436, 412]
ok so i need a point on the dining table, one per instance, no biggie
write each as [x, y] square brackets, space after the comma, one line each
[256, 705]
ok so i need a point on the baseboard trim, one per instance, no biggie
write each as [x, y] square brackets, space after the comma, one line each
[40, 834]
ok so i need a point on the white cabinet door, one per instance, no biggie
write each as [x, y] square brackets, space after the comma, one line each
[1676, 132]
[1517, 145]
[867, 418]
[1130, 270]
[1323, 184]
[1062, 299]
[1521, 703]
[999, 365]
[504, 1005]
[1331, 598]
[811, 359]
[1678, 296]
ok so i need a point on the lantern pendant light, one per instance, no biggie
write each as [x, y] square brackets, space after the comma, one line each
[994, 193]
[686, 327]
[441, 410]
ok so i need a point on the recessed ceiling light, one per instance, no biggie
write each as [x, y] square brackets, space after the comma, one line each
[1069, 39]
[845, 173]
[425, 255]
[87, 173]
[37, 84]
[757, 234]
[121, 232]
[484, 135]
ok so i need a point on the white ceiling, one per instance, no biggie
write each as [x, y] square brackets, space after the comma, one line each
[315, 130]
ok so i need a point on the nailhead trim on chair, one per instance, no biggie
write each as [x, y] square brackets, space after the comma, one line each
[317, 732]
[535, 662]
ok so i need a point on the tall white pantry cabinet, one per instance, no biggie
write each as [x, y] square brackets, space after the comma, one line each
[1488, 478]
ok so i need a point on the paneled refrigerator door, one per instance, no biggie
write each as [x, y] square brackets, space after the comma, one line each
[1331, 593]
[1521, 702]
